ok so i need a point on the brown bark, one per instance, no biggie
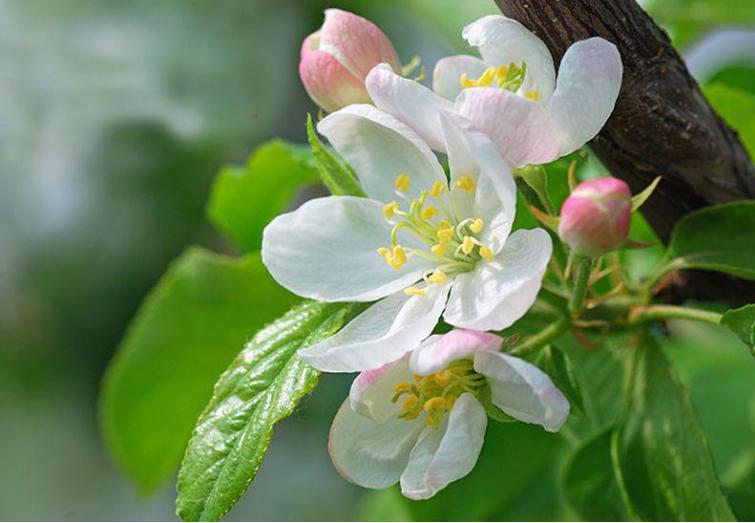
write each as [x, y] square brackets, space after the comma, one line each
[662, 124]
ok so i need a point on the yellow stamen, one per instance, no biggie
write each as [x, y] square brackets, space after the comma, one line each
[500, 74]
[414, 291]
[442, 378]
[438, 188]
[439, 249]
[429, 212]
[450, 400]
[466, 82]
[390, 208]
[385, 252]
[445, 235]
[476, 226]
[402, 182]
[467, 244]
[438, 277]
[404, 386]
[466, 183]
[434, 404]
[486, 253]
[532, 95]
[487, 77]
[398, 257]
[444, 224]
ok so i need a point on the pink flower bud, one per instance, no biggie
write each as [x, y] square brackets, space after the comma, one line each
[336, 59]
[595, 217]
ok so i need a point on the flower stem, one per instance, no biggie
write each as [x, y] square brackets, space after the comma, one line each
[648, 313]
[542, 338]
[582, 272]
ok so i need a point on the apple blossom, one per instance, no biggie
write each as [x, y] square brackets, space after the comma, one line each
[416, 244]
[512, 93]
[419, 420]
[595, 217]
[336, 59]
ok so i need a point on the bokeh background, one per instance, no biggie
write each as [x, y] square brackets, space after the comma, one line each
[114, 117]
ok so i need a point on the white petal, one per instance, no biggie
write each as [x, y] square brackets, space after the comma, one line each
[372, 390]
[436, 352]
[327, 250]
[502, 40]
[589, 79]
[520, 128]
[496, 294]
[409, 101]
[446, 454]
[381, 334]
[522, 390]
[370, 454]
[379, 148]
[448, 71]
[471, 153]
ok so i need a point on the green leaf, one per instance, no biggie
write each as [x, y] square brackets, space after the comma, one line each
[262, 386]
[640, 198]
[741, 322]
[665, 458]
[335, 173]
[555, 363]
[245, 199]
[736, 107]
[536, 179]
[590, 483]
[718, 238]
[186, 332]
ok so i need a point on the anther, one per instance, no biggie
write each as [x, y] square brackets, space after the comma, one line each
[532, 95]
[465, 81]
[437, 189]
[390, 208]
[434, 404]
[429, 212]
[476, 226]
[439, 249]
[414, 291]
[442, 378]
[486, 253]
[402, 183]
[438, 277]
[467, 245]
[445, 235]
[466, 183]
[398, 257]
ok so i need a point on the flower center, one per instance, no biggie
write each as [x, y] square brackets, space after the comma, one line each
[509, 77]
[436, 394]
[452, 241]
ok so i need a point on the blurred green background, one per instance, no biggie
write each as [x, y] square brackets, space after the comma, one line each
[115, 117]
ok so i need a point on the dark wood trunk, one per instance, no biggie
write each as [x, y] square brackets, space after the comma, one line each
[662, 124]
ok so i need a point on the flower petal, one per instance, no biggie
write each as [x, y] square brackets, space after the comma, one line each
[520, 128]
[502, 40]
[370, 454]
[372, 390]
[496, 294]
[448, 71]
[436, 352]
[327, 250]
[472, 154]
[522, 390]
[409, 101]
[356, 42]
[446, 454]
[328, 82]
[589, 79]
[379, 147]
[381, 334]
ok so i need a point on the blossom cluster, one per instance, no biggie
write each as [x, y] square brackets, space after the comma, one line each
[425, 244]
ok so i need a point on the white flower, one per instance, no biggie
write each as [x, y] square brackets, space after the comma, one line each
[416, 244]
[512, 93]
[419, 421]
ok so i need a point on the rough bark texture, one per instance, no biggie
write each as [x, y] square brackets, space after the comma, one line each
[662, 124]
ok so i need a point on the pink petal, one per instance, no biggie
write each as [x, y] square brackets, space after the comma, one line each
[328, 82]
[435, 353]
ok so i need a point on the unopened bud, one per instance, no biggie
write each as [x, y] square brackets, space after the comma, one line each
[595, 217]
[336, 59]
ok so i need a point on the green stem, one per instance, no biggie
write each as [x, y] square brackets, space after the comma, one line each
[543, 338]
[582, 273]
[648, 313]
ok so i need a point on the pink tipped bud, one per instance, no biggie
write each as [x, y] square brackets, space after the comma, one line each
[336, 59]
[595, 217]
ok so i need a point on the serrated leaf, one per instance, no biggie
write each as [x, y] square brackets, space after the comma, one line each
[262, 386]
[590, 484]
[718, 238]
[245, 199]
[664, 455]
[741, 322]
[184, 335]
[336, 174]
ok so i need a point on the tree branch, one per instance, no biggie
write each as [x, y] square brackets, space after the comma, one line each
[662, 124]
